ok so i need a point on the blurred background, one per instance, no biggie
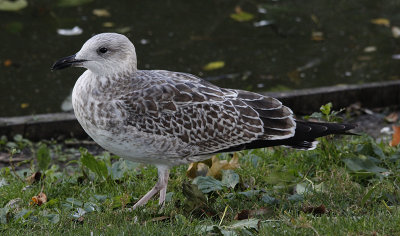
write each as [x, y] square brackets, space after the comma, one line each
[253, 45]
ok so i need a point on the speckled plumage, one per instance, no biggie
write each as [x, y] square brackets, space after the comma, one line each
[169, 118]
[173, 118]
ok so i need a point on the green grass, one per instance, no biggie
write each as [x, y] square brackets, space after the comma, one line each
[354, 178]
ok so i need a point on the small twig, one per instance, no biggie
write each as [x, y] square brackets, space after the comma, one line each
[223, 216]
[42, 188]
[315, 231]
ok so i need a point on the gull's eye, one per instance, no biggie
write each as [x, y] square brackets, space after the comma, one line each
[103, 50]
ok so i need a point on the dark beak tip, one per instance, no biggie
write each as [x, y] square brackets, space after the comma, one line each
[63, 63]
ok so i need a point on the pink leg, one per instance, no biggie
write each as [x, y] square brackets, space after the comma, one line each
[163, 191]
[161, 186]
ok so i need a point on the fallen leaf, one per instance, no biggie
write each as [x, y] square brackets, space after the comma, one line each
[7, 63]
[24, 105]
[219, 165]
[108, 24]
[214, 65]
[370, 49]
[197, 169]
[364, 58]
[34, 178]
[39, 199]
[241, 15]
[396, 136]
[247, 214]
[381, 21]
[13, 5]
[79, 220]
[392, 117]
[314, 18]
[315, 210]
[317, 36]
[123, 30]
[72, 3]
[396, 32]
[212, 167]
[101, 12]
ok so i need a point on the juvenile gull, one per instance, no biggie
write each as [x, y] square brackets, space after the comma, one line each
[169, 118]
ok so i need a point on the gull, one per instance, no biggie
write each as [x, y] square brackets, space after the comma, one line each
[170, 118]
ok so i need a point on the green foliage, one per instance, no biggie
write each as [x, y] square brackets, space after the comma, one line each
[326, 114]
[354, 178]
[97, 166]
[207, 184]
[43, 157]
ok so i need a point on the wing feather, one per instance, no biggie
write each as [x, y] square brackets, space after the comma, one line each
[184, 107]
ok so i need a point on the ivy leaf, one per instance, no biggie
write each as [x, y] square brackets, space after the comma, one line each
[269, 200]
[97, 166]
[362, 163]
[229, 178]
[207, 184]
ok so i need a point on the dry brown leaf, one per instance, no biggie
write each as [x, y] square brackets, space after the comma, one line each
[218, 165]
[317, 36]
[314, 18]
[212, 167]
[34, 178]
[197, 169]
[381, 21]
[238, 10]
[247, 214]
[101, 12]
[79, 220]
[396, 136]
[39, 199]
[7, 63]
[392, 117]
[24, 105]
[315, 210]
[108, 24]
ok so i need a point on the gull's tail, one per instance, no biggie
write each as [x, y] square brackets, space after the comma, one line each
[304, 138]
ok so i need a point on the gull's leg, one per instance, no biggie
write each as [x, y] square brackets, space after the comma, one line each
[163, 191]
[161, 186]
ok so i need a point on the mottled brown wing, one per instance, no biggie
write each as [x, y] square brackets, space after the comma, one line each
[204, 116]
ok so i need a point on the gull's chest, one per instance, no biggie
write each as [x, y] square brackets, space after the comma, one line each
[96, 111]
[104, 120]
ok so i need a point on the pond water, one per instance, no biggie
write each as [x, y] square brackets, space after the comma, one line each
[262, 45]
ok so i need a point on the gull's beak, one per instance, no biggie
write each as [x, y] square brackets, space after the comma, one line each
[67, 62]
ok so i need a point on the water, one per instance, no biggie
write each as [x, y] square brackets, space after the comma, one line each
[186, 35]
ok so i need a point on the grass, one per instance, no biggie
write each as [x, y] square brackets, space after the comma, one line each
[347, 186]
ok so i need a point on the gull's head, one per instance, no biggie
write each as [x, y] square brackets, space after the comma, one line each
[103, 54]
